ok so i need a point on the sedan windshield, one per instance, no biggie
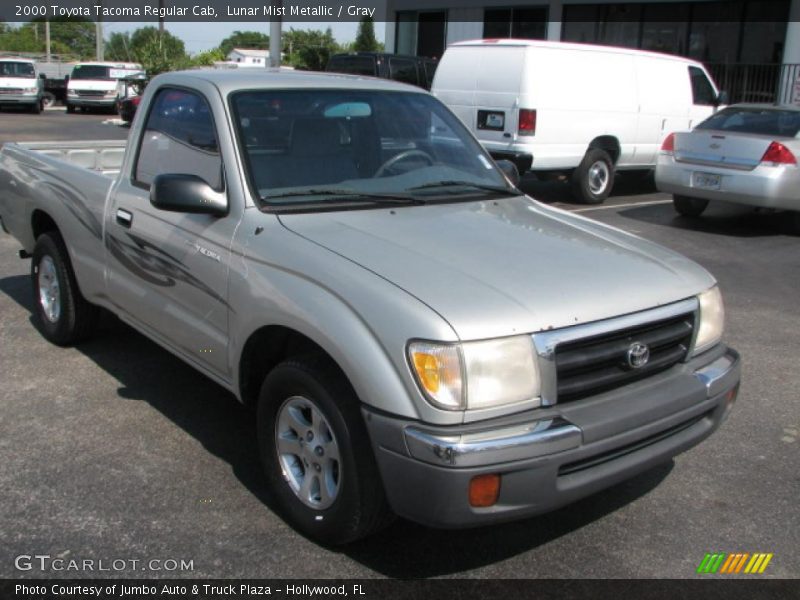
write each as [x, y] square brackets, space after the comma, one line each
[345, 147]
[763, 121]
[17, 69]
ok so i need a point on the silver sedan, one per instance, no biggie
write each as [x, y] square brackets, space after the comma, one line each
[745, 153]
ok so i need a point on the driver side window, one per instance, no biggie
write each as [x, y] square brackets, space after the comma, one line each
[179, 137]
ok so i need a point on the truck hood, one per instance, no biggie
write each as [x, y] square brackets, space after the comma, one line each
[505, 267]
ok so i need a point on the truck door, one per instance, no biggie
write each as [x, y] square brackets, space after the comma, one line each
[168, 271]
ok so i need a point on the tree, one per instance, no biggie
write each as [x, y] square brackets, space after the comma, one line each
[157, 52]
[73, 38]
[208, 58]
[244, 39]
[365, 38]
[118, 47]
[309, 49]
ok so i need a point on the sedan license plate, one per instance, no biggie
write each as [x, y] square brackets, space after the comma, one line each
[709, 181]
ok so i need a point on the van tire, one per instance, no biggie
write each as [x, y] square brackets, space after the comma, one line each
[316, 389]
[688, 206]
[593, 179]
[70, 108]
[37, 107]
[75, 318]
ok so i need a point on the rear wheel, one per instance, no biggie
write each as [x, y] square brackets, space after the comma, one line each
[688, 206]
[316, 453]
[48, 99]
[593, 179]
[70, 108]
[62, 314]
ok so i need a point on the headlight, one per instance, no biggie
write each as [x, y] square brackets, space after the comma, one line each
[712, 320]
[72, 93]
[111, 93]
[32, 90]
[476, 374]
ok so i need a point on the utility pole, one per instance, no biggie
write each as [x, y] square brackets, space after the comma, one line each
[47, 39]
[98, 35]
[275, 23]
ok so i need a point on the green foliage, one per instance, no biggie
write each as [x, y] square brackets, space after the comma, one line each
[74, 38]
[309, 49]
[244, 39]
[118, 47]
[365, 38]
[208, 58]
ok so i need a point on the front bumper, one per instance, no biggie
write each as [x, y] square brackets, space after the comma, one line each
[764, 186]
[552, 456]
[17, 99]
[92, 102]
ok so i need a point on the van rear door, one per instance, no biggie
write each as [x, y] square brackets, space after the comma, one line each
[498, 78]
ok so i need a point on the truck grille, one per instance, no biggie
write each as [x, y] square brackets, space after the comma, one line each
[10, 90]
[600, 363]
[91, 93]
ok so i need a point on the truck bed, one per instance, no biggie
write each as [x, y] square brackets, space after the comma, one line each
[102, 156]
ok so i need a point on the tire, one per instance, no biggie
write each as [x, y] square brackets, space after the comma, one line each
[37, 107]
[593, 179]
[689, 207]
[61, 313]
[48, 100]
[303, 401]
[70, 108]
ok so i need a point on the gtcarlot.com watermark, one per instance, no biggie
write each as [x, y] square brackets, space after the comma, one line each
[45, 563]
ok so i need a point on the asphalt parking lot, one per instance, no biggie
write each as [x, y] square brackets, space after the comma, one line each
[117, 450]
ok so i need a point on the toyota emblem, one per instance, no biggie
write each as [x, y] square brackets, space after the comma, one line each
[638, 355]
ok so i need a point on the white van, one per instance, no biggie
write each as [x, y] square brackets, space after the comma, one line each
[573, 109]
[96, 84]
[20, 84]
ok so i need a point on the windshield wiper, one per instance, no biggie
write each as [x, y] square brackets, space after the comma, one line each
[345, 194]
[464, 183]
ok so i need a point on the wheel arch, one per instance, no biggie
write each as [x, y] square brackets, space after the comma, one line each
[42, 222]
[607, 143]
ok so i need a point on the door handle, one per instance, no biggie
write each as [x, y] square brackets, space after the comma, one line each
[124, 218]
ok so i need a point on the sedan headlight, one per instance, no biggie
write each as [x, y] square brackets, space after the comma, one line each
[712, 320]
[474, 375]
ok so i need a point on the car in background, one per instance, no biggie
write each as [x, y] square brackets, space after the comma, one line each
[745, 154]
[416, 70]
[129, 94]
[93, 85]
[20, 84]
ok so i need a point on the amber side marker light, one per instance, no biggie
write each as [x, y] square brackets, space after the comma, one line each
[484, 490]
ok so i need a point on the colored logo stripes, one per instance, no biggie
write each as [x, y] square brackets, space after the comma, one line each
[740, 562]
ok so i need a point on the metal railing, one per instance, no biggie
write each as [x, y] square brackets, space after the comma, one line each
[758, 82]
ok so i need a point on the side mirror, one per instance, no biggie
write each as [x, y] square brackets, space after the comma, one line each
[42, 76]
[178, 192]
[723, 98]
[509, 169]
[66, 78]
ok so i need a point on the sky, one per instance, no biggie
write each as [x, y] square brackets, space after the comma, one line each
[204, 36]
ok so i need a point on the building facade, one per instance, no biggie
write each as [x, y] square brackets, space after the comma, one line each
[752, 47]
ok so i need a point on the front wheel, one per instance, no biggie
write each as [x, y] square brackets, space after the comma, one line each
[593, 179]
[316, 453]
[70, 108]
[689, 207]
[62, 314]
[36, 108]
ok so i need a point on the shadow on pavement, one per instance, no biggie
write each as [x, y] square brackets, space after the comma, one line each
[625, 184]
[225, 428]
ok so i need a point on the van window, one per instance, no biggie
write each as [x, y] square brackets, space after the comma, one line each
[356, 65]
[702, 90]
[91, 72]
[17, 69]
[179, 137]
[403, 69]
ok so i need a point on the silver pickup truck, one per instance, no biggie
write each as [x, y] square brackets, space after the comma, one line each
[416, 336]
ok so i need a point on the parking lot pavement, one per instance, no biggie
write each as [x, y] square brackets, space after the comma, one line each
[55, 124]
[117, 450]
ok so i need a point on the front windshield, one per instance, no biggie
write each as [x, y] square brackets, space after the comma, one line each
[91, 72]
[17, 69]
[332, 146]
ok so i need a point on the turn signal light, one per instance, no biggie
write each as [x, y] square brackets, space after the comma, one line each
[778, 154]
[668, 146]
[484, 490]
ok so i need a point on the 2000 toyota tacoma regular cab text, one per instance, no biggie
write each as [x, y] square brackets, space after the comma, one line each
[418, 337]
